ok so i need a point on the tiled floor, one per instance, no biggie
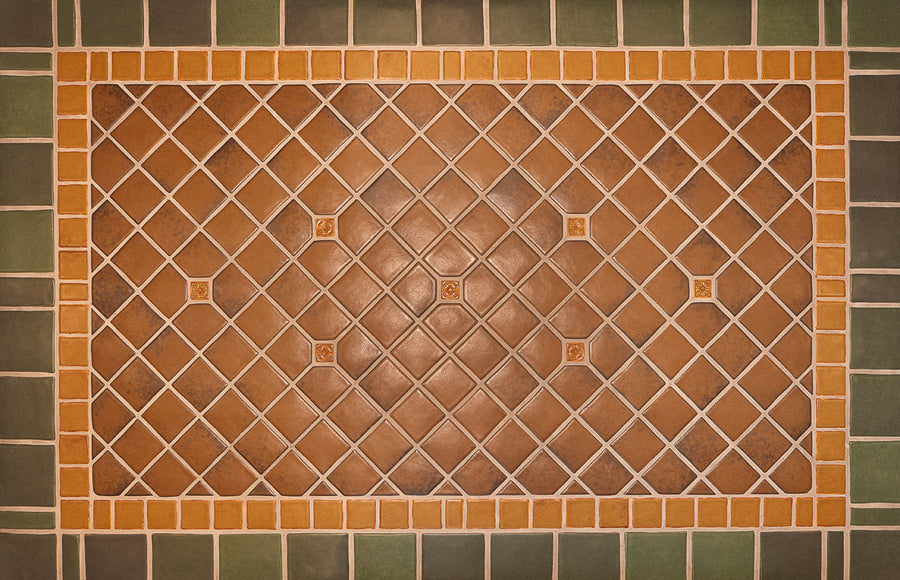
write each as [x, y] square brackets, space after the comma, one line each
[506, 280]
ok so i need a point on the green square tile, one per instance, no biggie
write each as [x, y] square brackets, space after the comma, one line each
[720, 22]
[384, 22]
[794, 555]
[873, 472]
[247, 22]
[452, 22]
[875, 516]
[65, 22]
[874, 102]
[26, 343]
[112, 22]
[26, 291]
[873, 554]
[875, 171]
[385, 556]
[71, 558]
[788, 22]
[653, 22]
[26, 241]
[17, 520]
[452, 556]
[874, 60]
[318, 557]
[26, 23]
[315, 22]
[256, 556]
[874, 336]
[26, 173]
[655, 555]
[520, 22]
[874, 237]
[178, 556]
[875, 408]
[115, 557]
[833, 23]
[723, 555]
[521, 556]
[873, 23]
[179, 22]
[25, 61]
[27, 408]
[586, 23]
[589, 555]
[27, 556]
[26, 106]
[835, 556]
[27, 475]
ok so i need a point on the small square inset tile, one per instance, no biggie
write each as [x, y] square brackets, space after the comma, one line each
[450, 289]
[199, 289]
[325, 227]
[703, 288]
[324, 352]
[576, 227]
[575, 352]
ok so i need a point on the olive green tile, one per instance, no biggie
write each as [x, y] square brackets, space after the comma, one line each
[588, 555]
[25, 61]
[452, 22]
[256, 556]
[794, 555]
[65, 22]
[27, 408]
[318, 557]
[875, 516]
[874, 102]
[26, 173]
[26, 291]
[26, 343]
[874, 60]
[179, 22]
[520, 22]
[722, 555]
[521, 556]
[179, 556]
[655, 555]
[720, 22]
[875, 171]
[873, 23]
[385, 556]
[874, 336]
[247, 22]
[586, 23]
[452, 557]
[112, 22]
[26, 23]
[875, 408]
[27, 556]
[873, 554]
[653, 22]
[26, 241]
[833, 23]
[874, 237]
[788, 22]
[26, 106]
[835, 556]
[873, 472]
[315, 22]
[27, 475]
[875, 287]
[27, 520]
[384, 22]
[71, 558]
[115, 557]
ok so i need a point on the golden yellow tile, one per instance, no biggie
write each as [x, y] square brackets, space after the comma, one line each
[777, 511]
[831, 446]
[712, 512]
[830, 288]
[73, 384]
[73, 352]
[742, 65]
[479, 65]
[129, 514]
[830, 348]
[73, 232]
[193, 65]
[830, 261]
[126, 66]
[424, 65]
[829, 65]
[643, 65]
[99, 66]
[776, 64]
[162, 514]
[480, 514]
[426, 514]
[71, 66]
[676, 65]
[831, 381]
[292, 65]
[831, 315]
[72, 166]
[328, 514]
[613, 513]
[360, 514]
[831, 511]
[195, 514]
[392, 64]
[73, 417]
[71, 100]
[831, 413]
[228, 514]
[102, 514]
[74, 482]
[803, 511]
[159, 65]
[610, 66]
[745, 512]
[581, 512]
[452, 66]
[73, 318]
[295, 514]
[679, 512]
[73, 449]
[830, 98]
[453, 513]
[393, 514]
[830, 130]
[545, 65]
[578, 65]
[73, 265]
[512, 65]
[326, 65]
[72, 134]
[259, 65]
[359, 64]
[709, 65]
[74, 514]
[831, 479]
[546, 513]
[226, 65]
[831, 195]
[646, 512]
[261, 514]
[803, 65]
[513, 513]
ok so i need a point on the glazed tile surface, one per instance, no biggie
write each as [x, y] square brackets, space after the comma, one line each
[451, 289]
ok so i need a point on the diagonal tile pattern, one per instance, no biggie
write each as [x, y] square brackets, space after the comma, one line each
[565, 361]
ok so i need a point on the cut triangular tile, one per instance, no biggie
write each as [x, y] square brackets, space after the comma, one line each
[576, 90]
[576, 488]
[806, 133]
[325, 89]
[137, 489]
[199, 90]
[764, 488]
[200, 489]
[450, 90]
[322, 489]
[96, 132]
[763, 89]
[638, 489]
[262, 90]
[96, 384]
[807, 382]
[701, 90]
[137, 90]
[447, 489]
[638, 90]
[512, 90]
[96, 447]
[384, 488]
[511, 489]
[807, 443]
[261, 489]
[701, 488]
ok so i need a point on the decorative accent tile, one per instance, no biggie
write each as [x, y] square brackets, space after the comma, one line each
[450, 290]
[199, 290]
[575, 352]
[324, 353]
